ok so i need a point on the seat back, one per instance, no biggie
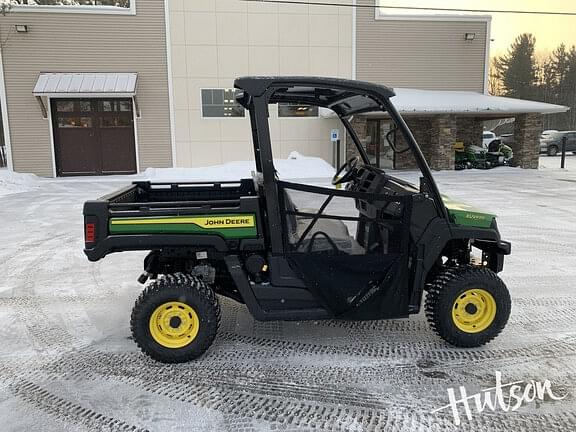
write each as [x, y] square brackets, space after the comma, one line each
[291, 219]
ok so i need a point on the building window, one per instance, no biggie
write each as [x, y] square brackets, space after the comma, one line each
[294, 110]
[221, 103]
[75, 122]
[105, 6]
[95, 3]
[391, 12]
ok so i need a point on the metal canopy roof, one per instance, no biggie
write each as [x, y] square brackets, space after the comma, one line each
[433, 102]
[86, 84]
[347, 97]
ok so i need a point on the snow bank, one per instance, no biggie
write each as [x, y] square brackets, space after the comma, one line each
[13, 182]
[296, 167]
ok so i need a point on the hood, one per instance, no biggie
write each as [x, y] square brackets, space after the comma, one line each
[466, 215]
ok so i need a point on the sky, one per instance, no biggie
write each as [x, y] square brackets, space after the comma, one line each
[550, 31]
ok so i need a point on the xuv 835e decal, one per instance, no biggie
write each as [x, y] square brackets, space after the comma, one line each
[228, 226]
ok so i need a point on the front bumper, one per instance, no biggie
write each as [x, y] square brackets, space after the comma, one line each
[494, 251]
[504, 247]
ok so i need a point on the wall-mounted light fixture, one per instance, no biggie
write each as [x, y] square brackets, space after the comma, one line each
[470, 36]
[21, 28]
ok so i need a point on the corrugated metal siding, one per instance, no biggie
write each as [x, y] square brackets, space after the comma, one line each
[420, 54]
[86, 42]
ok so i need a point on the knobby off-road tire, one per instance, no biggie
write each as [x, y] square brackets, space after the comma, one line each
[467, 306]
[175, 318]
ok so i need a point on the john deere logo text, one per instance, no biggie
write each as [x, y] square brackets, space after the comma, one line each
[231, 222]
[473, 216]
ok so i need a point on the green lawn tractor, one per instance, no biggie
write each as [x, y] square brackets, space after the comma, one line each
[472, 156]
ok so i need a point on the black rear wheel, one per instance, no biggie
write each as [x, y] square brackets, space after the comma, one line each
[468, 306]
[175, 319]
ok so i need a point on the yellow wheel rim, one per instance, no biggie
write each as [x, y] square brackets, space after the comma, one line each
[174, 324]
[474, 310]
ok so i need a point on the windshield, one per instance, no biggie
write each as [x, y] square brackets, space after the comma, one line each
[353, 119]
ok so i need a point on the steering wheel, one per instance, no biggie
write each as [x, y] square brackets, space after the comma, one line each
[350, 168]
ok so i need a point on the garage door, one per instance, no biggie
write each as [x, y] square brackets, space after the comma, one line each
[93, 136]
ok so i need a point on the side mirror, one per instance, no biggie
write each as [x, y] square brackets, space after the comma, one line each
[401, 147]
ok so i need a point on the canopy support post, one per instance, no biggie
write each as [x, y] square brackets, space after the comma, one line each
[42, 107]
[136, 107]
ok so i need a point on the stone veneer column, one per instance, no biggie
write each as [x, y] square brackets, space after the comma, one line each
[526, 145]
[435, 136]
[469, 130]
[439, 150]
[420, 127]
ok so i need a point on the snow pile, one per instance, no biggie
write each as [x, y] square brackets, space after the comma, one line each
[295, 167]
[13, 182]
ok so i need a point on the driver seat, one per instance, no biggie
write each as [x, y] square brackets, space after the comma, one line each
[327, 235]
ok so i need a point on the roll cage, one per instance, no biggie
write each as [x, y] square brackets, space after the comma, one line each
[345, 98]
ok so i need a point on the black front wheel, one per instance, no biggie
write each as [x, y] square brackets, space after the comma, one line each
[552, 150]
[468, 306]
[175, 319]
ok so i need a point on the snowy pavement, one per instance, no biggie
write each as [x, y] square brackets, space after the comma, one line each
[67, 361]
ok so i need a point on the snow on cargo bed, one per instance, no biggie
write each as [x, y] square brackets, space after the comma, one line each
[12, 182]
[296, 167]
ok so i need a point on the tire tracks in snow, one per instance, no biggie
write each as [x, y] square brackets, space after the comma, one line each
[43, 330]
[325, 406]
[439, 351]
[67, 411]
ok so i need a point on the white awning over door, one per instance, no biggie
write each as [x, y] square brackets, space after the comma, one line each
[119, 84]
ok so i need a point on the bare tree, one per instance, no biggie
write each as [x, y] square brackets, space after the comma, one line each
[494, 82]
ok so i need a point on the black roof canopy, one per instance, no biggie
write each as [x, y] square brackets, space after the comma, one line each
[344, 97]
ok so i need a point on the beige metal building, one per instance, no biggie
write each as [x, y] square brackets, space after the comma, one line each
[213, 42]
[91, 90]
[236, 38]
[429, 52]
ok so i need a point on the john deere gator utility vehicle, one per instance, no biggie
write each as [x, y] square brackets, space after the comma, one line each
[257, 241]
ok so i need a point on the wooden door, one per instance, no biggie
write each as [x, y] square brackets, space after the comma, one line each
[93, 136]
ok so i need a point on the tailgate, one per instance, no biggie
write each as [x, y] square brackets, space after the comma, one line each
[96, 215]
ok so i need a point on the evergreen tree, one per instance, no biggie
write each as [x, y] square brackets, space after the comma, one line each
[560, 61]
[568, 89]
[517, 69]
[552, 79]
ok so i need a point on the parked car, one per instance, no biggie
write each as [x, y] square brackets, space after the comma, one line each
[487, 138]
[552, 145]
[548, 134]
